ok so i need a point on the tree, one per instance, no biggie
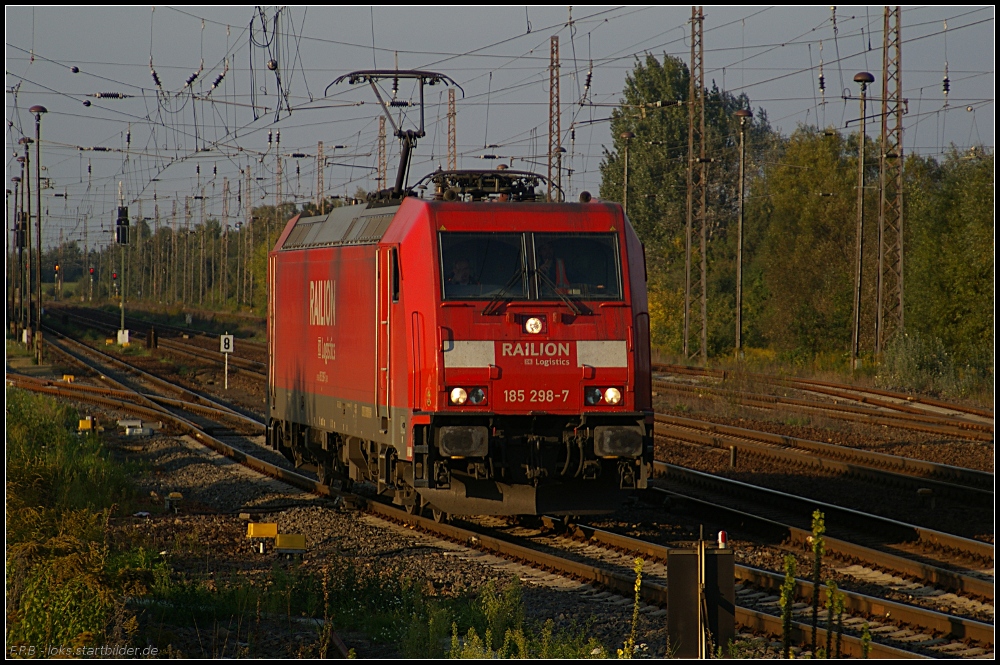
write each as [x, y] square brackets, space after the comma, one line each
[654, 108]
[949, 254]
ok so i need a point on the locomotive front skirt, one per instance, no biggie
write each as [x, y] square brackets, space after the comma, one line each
[482, 357]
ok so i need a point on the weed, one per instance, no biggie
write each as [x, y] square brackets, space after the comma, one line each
[628, 651]
[818, 549]
[786, 600]
[919, 363]
[866, 640]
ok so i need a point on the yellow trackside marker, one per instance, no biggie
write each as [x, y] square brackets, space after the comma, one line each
[86, 424]
[68, 378]
[290, 543]
[262, 530]
[109, 341]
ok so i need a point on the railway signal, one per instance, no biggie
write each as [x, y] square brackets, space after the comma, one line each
[121, 226]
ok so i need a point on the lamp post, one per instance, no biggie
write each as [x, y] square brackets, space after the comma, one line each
[628, 136]
[744, 116]
[26, 225]
[862, 78]
[38, 110]
[18, 280]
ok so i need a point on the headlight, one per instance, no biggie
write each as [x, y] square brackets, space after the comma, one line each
[612, 396]
[592, 395]
[533, 325]
[476, 395]
[458, 395]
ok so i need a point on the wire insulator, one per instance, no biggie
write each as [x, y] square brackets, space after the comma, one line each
[156, 79]
[398, 103]
[822, 83]
[110, 95]
[218, 80]
[191, 79]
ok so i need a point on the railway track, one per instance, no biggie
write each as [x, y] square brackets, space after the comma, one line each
[902, 402]
[944, 426]
[267, 469]
[975, 487]
[599, 573]
[955, 563]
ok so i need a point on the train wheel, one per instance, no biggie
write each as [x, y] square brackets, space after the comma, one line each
[439, 515]
[324, 474]
[414, 508]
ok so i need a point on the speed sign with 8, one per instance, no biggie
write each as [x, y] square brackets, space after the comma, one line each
[226, 343]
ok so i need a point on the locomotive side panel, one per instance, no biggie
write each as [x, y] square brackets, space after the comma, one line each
[640, 321]
[324, 338]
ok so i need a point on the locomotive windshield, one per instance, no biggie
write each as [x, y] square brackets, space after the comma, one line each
[530, 266]
[483, 265]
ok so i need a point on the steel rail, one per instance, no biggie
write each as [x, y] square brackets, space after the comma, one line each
[651, 592]
[724, 374]
[967, 484]
[946, 624]
[131, 369]
[964, 429]
[843, 519]
[623, 584]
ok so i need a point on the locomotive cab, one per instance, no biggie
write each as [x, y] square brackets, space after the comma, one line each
[487, 354]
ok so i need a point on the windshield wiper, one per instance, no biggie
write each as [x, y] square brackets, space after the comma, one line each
[494, 304]
[562, 296]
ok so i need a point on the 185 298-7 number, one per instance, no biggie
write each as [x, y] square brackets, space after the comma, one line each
[535, 396]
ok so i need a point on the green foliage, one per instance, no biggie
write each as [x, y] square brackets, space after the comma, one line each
[61, 491]
[498, 630]
[916, 362]
[785, 601]
[949, 287]
[833, 595]
[818, 549]
[866, 640]
[629, 650]
[654, 110]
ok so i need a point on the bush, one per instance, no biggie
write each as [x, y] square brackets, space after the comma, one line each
[914, 362]
[61, 491]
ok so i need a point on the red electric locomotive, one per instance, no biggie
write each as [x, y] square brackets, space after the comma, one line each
[476, 349]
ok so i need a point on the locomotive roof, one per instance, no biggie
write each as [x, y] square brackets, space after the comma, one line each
[346, 225]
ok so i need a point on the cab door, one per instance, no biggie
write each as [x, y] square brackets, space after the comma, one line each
[387, 321]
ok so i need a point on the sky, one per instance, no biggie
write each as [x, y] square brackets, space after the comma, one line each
[163, 139]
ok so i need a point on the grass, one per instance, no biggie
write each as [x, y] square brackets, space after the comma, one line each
[911, 363]
[61, 491]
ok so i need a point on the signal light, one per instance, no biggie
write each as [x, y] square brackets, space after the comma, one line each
[114, 275]
[91, 271]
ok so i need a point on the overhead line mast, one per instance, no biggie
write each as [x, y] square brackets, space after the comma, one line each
[696, 185]
[555, 130]
[889, 319]
[452, 132]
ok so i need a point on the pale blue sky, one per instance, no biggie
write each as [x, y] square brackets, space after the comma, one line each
[771, 54]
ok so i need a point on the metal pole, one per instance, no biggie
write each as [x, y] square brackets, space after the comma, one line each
[863, 78]
[628, 136]
[38, 111]
[743, 115]
[26, 313]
